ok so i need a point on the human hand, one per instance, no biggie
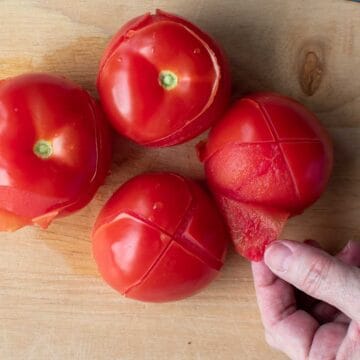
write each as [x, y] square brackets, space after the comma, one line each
[322, 320]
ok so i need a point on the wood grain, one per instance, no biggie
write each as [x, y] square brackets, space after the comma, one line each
[52, 303]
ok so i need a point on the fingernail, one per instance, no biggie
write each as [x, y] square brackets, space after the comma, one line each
[277, 257]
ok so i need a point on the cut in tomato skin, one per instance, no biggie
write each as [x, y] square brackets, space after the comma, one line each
[196, 87]
[268, 159]
[159, 238]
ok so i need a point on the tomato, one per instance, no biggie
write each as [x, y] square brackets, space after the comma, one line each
[162, 80]
[54, 149]
[266, 160]
[159, 238]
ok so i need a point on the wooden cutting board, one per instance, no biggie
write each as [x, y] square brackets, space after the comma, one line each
[53, 305]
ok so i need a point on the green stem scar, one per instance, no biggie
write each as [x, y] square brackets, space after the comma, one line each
[167, 79]
[43, 149]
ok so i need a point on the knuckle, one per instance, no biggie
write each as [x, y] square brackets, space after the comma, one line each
[316, 275]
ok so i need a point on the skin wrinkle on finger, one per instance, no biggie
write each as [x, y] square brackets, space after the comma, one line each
[315, 276]
[275, 297]
[278, 308]
[281, 320]
[295, 334]
[323, 277]
[346, 298]
[322, 311]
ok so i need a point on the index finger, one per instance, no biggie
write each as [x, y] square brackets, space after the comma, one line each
[276, 298]
[292, 330]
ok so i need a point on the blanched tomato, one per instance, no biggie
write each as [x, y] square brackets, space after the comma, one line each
[159, 238]
[162, 80]
[54, 149]
[268, 159]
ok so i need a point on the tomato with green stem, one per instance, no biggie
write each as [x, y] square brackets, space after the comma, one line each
[162, 80]
[54, 149]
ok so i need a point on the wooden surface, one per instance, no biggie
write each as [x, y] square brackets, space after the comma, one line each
[53, 304]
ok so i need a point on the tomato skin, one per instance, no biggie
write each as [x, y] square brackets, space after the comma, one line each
[159, 238]
[128, 80]
[268, 159]
[39, 108]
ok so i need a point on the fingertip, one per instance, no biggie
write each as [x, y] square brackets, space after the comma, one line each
[262, 274]
[258, 267]
[256, 264]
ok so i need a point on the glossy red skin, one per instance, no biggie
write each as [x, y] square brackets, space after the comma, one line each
[268, 159]
[159, 238]
[137, 105]
[45, 107]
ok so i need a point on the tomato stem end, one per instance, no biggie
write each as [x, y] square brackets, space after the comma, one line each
[43, 149]
[168, 79]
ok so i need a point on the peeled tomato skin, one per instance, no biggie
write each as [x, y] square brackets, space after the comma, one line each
[252, 227]
[268, 159]
[252, 170]
[255, 215]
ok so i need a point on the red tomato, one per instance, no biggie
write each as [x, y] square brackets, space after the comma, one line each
[54, 149]
[268, 159]
[159, 238]
[162, 80]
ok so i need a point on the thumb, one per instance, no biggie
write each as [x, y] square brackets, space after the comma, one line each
[316, 273]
